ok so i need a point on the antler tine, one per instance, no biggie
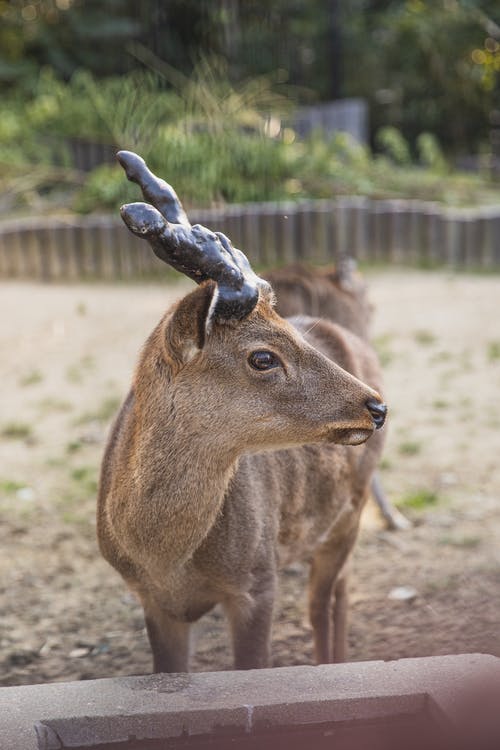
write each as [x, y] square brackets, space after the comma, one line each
[193, 250]
[155, 191]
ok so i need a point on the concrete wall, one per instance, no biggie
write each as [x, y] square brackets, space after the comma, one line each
[439, 702]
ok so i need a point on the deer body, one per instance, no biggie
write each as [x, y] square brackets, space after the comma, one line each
[240, 445]
[339, 295]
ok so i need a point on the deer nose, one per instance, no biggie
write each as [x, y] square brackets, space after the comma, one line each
[378, 412]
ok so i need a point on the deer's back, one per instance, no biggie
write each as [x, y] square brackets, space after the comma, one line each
[302, 290]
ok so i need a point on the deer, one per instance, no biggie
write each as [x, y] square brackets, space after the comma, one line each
[246, 441]
[339, 294]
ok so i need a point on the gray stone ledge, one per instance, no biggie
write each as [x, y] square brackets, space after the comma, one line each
[460, 693]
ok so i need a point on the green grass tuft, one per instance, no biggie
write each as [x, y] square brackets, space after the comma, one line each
[440, 403]
[424, 337]
[17, 431]
[104, 412]
[10, 486]
[419, 499]
[410, 448]
[86, 479]
[383, 348]
[494, 351]
[462, 542]
[31, 378]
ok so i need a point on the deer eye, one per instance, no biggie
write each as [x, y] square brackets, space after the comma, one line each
[263, 360]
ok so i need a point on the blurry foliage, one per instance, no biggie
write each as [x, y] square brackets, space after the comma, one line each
[430, 153]
[214, 140]
[66, 35]
[424, 65]
[391, 141]
[123, 74]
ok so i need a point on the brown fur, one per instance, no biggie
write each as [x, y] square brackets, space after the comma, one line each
[339, 294]
[216, 474]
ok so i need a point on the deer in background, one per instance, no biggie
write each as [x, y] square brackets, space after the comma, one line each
[339, 295]
[245, 442]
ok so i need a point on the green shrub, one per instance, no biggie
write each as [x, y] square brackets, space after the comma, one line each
[392, 143]
[213, 140]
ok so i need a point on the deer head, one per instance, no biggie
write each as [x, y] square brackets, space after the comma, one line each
[249, 377]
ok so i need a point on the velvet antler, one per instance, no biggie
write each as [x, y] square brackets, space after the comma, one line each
[193, 250]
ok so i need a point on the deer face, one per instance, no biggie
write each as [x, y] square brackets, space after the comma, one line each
[249, 377]
[259, 384]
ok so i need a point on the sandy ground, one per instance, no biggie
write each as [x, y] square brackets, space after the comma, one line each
[66, 357]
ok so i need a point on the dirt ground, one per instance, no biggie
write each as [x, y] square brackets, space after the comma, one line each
[66, 356]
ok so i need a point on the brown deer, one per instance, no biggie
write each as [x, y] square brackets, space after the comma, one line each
[341, 295]
[240, 446]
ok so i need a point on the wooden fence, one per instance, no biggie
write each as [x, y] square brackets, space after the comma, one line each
[402, 232]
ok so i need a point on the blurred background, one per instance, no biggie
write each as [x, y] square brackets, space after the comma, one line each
[307, 130]
[245, 91]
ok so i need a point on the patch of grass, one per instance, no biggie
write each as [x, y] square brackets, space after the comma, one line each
[462, 542]
[104, 412]
[494, 351]
[55, 462]
[10, 486]
[466, 361]
[424, 337]
[31, 378]
[74, 446]
[86, 479]
[442, 356]
[75, 511]
[382, 346]
[75, 373]
[410, 448]
[385, 464]
[440, 403]
[419, 499]
[17, 431]
[51, 404]
[81, 308]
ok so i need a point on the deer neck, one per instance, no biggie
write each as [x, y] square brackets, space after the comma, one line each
[181, 477]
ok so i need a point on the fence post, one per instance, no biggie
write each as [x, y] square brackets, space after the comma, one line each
[268, 234]
[454, 239]
[286, 224]
[235, 225]
[491, 237]
[423, 231]
[322, 231]
[250, 227]
[14, 254]
[382, 229]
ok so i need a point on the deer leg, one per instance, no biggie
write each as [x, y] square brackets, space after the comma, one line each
[250, 622]
[340, 610]
[395, 520]
[320, 591]
[169, 639]
[326, 577]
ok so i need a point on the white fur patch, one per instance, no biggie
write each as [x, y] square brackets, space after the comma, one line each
[189, 351]
[211, 309]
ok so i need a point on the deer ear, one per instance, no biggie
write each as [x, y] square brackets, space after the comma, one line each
[186, 330]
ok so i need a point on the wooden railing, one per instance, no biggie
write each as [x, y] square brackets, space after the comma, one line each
[404, 232]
